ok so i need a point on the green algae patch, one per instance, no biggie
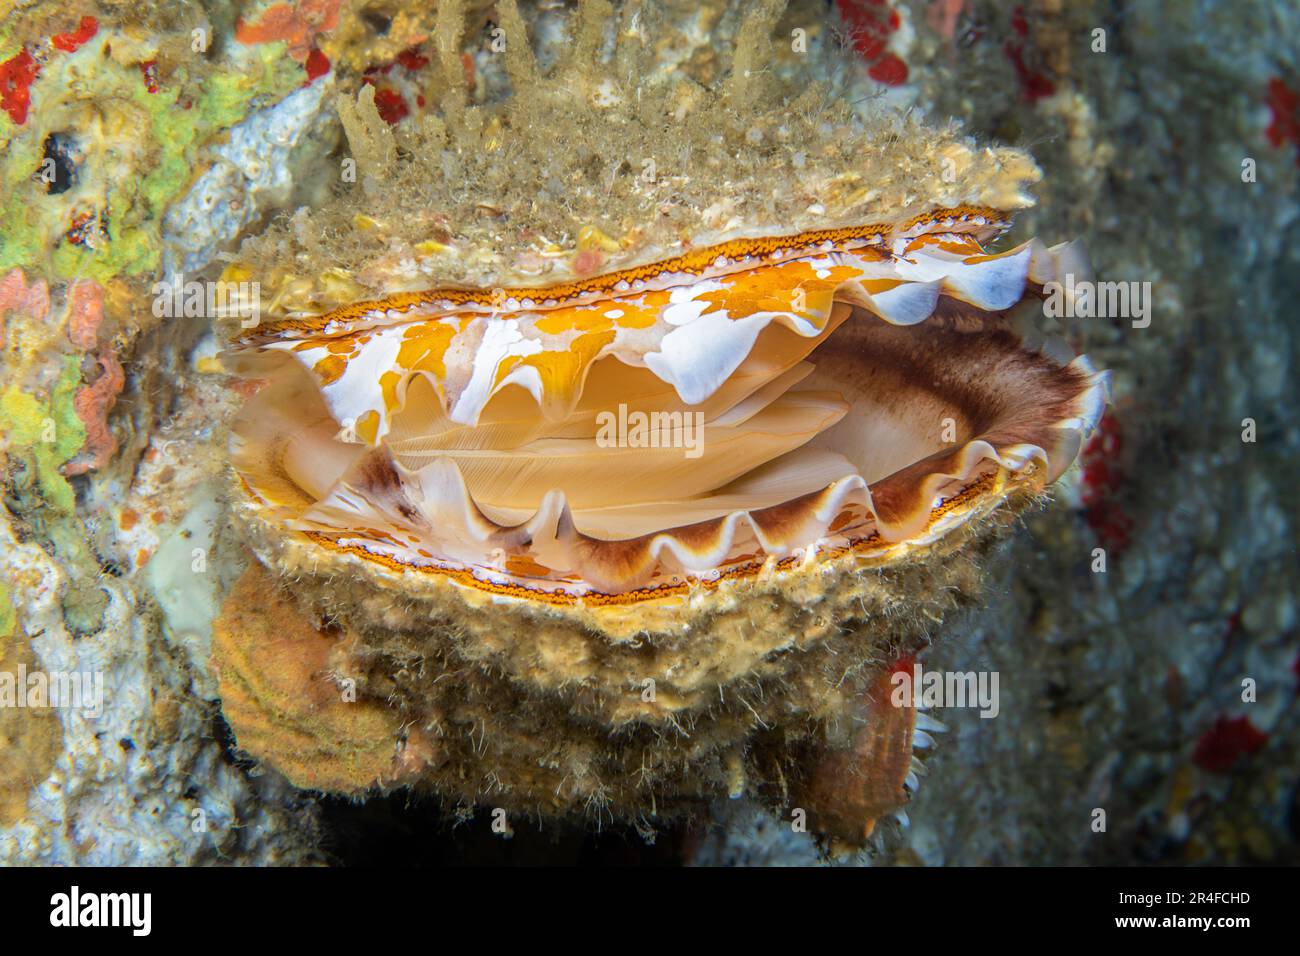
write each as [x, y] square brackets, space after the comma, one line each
[20, 238]
[46, 434]
[145, 153]
[39, 436]
[8, 616]
[222, 101]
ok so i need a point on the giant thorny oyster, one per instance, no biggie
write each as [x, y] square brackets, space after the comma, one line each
[623, 427]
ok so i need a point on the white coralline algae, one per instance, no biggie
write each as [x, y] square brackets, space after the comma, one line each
[250, 175]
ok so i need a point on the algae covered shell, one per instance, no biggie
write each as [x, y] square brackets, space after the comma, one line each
[620, 518]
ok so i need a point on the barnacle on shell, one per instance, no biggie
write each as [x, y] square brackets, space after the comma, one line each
[744, 451]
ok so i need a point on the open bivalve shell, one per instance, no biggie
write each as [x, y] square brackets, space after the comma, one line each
[793, 399]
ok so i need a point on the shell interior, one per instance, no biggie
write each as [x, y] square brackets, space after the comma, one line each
[749, 406]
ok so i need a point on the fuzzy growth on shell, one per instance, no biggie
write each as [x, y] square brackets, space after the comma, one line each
[547, 711]
[610, 160]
